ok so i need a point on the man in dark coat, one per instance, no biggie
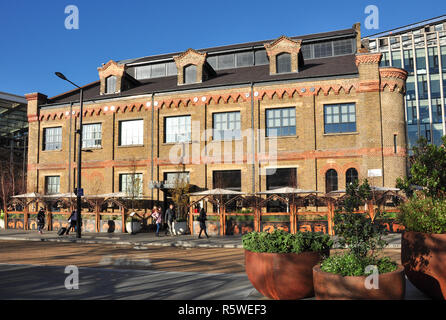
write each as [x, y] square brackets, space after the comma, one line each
[169, 217]
[41, 220]
[202, 218]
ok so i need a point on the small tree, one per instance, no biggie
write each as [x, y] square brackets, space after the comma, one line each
[180, 196]
[134, 186]
[428, 170]
[361, 235]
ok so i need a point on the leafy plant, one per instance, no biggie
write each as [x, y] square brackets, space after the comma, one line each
[426, 210]
[427, 169]
[362, 236]
[280, 241]
[352, 265]
[425, 215]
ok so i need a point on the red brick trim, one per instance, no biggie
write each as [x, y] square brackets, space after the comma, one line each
[368, 58]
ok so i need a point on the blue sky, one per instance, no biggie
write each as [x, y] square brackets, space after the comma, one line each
[35, 42]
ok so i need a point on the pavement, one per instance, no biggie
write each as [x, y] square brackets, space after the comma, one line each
[146, 239]
[124, 266]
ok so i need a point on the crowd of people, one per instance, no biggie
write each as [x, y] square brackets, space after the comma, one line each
[168, 218]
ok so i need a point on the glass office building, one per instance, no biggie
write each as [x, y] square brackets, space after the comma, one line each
[420, 49]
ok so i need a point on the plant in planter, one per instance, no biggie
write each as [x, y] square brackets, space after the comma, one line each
[132, 224]
[279, 264]
[423, 243]
[344, 276]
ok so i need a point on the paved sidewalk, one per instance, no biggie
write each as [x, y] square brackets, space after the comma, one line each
[139, 239]
[146, 239]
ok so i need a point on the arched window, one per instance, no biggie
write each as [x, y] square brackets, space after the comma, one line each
[331, 180]
[351, 176]
[190, 73]
[110, 84]
[283, 63]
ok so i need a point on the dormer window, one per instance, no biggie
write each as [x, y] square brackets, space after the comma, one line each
[192, 67]
[283, 62]
[110, 85]
[190, 74]
[284, 55]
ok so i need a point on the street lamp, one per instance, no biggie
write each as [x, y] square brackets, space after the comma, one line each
[79, 158]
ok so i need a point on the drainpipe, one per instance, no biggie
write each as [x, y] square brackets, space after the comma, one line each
[253, 140]
[69, 155]
[152, 135]
[315, 140]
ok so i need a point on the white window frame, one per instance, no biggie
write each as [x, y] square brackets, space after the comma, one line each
[131, 132]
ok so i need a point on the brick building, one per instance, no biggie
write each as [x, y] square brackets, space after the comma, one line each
[317, 108]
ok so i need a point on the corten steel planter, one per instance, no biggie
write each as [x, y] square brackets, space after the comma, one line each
[330, 286]
[282, 276]
[423, 256]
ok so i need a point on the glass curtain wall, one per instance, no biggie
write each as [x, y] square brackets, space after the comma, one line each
[423, 56]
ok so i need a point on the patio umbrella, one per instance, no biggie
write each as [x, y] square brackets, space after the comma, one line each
[28, 195]
[287, 190]
[216, 192]
[60, 195]
[109, 195]
[373, 188]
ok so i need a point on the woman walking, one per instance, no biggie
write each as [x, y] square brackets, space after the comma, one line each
[156, 215]
[202, 218]
[41, 220]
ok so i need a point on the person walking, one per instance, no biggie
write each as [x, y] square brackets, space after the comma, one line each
[41, 220]
[72, 221]
[202, 218]
[156, 215]
[170, 218]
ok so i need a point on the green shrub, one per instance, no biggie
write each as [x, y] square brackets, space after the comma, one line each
[280, 241]
[349, 264]
[426, 215]
[278, 218]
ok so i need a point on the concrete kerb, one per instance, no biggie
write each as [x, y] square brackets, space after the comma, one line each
[394, 241]
[185, 244]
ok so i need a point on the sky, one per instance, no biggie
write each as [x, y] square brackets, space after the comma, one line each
[35, 41]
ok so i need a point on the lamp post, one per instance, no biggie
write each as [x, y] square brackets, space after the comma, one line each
[79, 158]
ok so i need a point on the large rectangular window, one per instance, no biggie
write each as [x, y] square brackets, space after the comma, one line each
[245, 59]
[52, 138]
[172, 180]
[52, 184]
[227, 179]
[143, 72]
[339, 118]
[281, 177]
[261, 58]
[226, 125]
[341, 47]
[177, 129]
[131, 132]
[131, 184]
[226, 61]
[323, 49]
[92, 135]
[280, 122]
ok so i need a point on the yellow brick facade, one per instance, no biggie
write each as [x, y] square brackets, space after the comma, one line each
[377, 94]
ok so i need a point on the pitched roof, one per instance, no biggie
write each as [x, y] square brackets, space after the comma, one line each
[315, 68]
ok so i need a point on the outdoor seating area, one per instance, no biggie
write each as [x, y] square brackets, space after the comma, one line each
[229, 212]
